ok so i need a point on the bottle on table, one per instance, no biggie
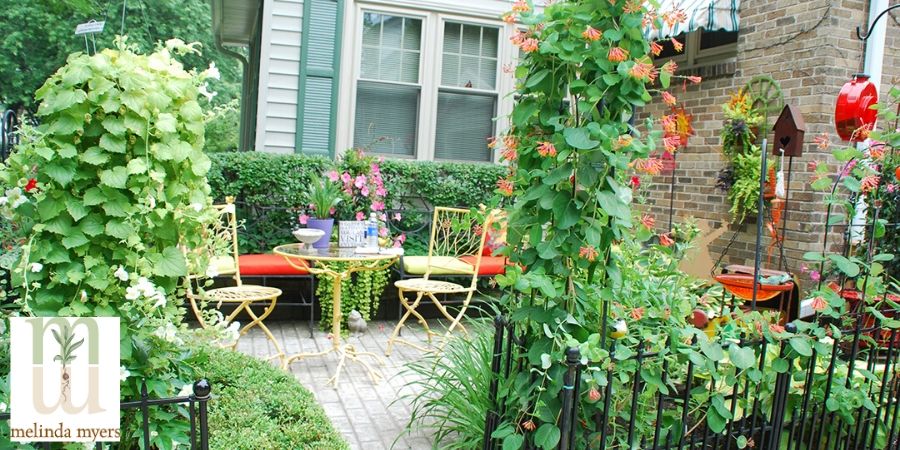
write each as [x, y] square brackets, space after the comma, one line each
[372, 231]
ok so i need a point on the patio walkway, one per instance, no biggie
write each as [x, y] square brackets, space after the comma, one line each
[363, 412]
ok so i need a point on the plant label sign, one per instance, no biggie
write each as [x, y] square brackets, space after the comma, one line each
[64, 379]
[351, 233]
[89, 27]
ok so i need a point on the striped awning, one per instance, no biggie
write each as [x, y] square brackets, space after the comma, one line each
[712, 15]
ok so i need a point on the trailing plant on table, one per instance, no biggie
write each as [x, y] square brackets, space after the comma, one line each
[105, 192]
[361, 292]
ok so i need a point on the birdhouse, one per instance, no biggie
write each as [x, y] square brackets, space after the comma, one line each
[854, 106]
[789, 130]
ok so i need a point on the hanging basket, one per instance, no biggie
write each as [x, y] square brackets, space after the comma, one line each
[741, 286]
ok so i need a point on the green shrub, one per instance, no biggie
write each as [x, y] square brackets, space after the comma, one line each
[256, 405]
[266, 179]
[223, 125]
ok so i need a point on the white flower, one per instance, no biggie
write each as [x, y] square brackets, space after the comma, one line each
[168, 333]
[186, 391]
[151, 201]
[132, 293]
[203, 90]
[197, 207]
[123, 373]
[83, 296]
[211, 271]
[4, 200]
[121, 273]
[15, 198]
[233, 331]
[160, 299]
[2, 407]
[37, 267]
[212, 71]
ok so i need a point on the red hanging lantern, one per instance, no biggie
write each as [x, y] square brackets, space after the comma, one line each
[853, 108]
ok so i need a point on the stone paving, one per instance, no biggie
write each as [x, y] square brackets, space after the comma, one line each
[370, 416]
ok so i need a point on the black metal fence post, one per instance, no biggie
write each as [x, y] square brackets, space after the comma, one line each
[569, 403]
[202, 391]
[490, 421]
[145, 414]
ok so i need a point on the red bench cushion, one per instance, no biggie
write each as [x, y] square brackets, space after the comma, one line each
[490, 265]
[268, 264]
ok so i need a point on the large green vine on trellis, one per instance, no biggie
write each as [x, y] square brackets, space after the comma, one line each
[361, 292]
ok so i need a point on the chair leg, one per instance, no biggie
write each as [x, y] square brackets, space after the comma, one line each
[258, 322]
[454, 321]
[410, 309]
[312, 304]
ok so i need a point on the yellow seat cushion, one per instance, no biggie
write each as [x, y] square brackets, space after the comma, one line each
[222, 265]
[440, 265]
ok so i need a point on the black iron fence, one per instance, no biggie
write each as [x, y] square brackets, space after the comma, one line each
[839, 393]
[196, 404]
[9, 124]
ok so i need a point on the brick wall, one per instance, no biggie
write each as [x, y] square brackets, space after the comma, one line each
[810, 49]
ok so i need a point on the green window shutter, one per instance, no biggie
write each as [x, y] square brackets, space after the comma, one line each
[319, 70]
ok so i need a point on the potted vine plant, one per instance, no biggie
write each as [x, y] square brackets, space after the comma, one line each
[741, 178]
[323, 197]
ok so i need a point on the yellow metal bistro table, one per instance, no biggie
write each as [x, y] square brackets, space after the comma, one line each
[319, 261]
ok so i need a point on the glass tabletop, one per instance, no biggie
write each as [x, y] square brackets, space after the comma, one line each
[309, 253]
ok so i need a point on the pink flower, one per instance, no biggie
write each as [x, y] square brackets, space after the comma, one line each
[891, 188]
[383, 232]
[360, 215]
[849, 167]
[377, 206]
[588, 252]
[304, 218]
[381, 192]
[397, 216]
[333, 175]
[332, 211]
[360, 181]
[382, 217]
[812, 166]
[594, 394]
[376, 169]
[822, 141]
[364, 191]
[815, 275]
[346, 178]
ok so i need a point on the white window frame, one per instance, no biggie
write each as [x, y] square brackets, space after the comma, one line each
[693, 57]
[433, 16]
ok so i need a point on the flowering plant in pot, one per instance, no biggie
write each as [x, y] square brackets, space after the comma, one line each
[322, 199]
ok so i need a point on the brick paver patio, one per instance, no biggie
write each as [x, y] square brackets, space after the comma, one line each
[370, 416]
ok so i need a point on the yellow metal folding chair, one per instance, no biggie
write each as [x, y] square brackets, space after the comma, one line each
[454, 250]
[222, 250]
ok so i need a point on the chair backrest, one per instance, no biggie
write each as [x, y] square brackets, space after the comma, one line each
[221, 244]
[456, 233]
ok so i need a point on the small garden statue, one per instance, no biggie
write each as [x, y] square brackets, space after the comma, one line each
[356, 323]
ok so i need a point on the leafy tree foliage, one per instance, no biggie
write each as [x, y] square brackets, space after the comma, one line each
[39, 35]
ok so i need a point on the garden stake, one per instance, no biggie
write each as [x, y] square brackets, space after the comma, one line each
[569, 406]
[759, 221]
[672, 190]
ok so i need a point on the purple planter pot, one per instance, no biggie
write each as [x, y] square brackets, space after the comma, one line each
[321, 224]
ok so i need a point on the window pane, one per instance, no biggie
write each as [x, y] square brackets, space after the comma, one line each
[470, 56]
[391, 46]
[709, 39]
[464, 123]
[386, 118]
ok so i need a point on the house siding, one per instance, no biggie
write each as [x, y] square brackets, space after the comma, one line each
[280, 77]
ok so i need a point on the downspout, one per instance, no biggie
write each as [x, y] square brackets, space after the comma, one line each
[874, 47]
[243, 144]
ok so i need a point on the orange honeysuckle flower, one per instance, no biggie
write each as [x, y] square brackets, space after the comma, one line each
[671, 143]
[649, 166]
[655, 48]
[509, 18]
[589, 253]
[670, 67]
[510, 141]
[509, 154]
[521, 6]
[648, 221]
[665, 240]
[641, 70]
[505, 185]
[869, 183]
[695, 79]
[668, 98]
[592, 34]
[624, 141]
[529, 45]
[776, 329]
[637, 313]
[617, 54]
[818, 304]
[492, 142]
[822, 141]
[678, 45]
[633, 7]
[875, 151]
[518, 38]
[670, 124]
[546, 149]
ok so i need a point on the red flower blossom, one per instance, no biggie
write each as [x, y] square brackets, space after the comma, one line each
[617, 54]
[32, 184]
[655, 48]
[505, 185]
[590, 33]
[694, 79]
[776, 329]
[637, 313]
[521, 6]
[546, 149]
[635, 182]
[641, 70]
[818, 304]
[649, 166]
[648, 221]
[589, 253]
[670, 67]
[678, 45]
[812, 166]
[633, 7]
[869, 183]
[529, 45]
[665, 240]
[668, 98]
[594, 395]
[822, 141]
